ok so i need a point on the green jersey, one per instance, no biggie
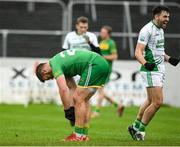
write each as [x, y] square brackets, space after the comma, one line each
[108, 47]
[93, 68]
[71, 62]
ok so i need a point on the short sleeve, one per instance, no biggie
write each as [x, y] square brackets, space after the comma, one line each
[113, 48]
[144, 36]
[56, 68]
[66, 43]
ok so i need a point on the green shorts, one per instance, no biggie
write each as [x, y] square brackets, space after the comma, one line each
[95, 74]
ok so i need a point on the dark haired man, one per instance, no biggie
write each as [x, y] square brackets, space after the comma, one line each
[94, 71]
[151, 54]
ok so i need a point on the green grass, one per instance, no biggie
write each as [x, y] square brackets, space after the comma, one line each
[45, 125]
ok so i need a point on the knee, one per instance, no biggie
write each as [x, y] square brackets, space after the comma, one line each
[158, 102]
[101, 95]
[77, 100]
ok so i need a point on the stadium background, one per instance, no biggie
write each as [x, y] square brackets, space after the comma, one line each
[33, 30]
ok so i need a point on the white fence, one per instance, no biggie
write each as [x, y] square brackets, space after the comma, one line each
[19, 85]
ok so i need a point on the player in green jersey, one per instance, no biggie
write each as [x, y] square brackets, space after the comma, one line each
[109, 52]
[94, 71]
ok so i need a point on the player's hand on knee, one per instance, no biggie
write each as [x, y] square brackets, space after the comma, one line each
[173, 61]
[70, 115]
[149, 66]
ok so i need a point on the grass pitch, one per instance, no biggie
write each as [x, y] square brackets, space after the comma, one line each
[45, 125]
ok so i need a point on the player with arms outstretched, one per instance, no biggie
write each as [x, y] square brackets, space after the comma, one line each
[94, 71]
[150, 52]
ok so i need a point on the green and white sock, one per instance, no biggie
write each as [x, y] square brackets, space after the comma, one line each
[85, 131]
[136, 124]
[79, 131]
[142, 127]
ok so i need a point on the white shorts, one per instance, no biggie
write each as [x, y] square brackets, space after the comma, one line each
[152, 79]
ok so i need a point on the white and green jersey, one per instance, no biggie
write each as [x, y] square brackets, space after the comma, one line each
[153, 37]
[75, 41]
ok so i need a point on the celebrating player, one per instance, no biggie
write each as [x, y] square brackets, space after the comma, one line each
[94, 71]
[109, 52]
[151, 43]
[81, 38]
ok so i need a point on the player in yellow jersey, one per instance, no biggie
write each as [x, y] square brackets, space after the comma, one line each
[109, 52]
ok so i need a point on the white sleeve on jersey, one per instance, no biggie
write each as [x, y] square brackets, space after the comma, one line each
[93, 39]
[66, 42]
[144, 36]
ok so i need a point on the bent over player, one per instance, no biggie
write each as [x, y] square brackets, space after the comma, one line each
[151, 43]
[94, 71]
